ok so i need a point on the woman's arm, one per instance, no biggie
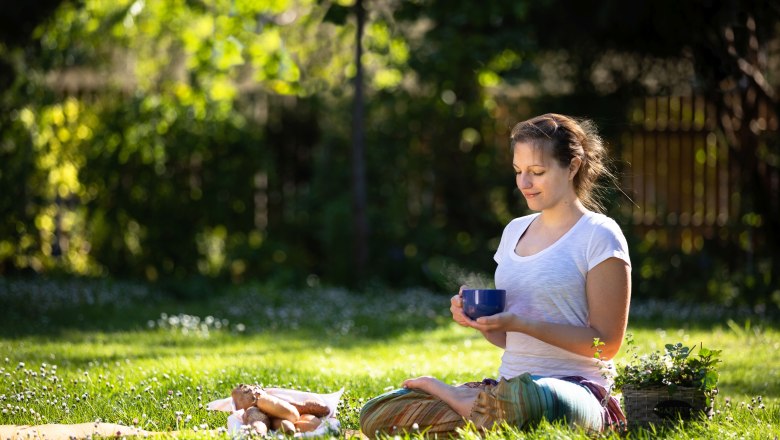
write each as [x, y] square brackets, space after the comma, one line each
[496, 338]
[608, 289]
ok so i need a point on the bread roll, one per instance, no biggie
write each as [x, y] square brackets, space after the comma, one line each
[282, 425]
[243, 396]
[254, 414]
[308, 423]
[259, 428]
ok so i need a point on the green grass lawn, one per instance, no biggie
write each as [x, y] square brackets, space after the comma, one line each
[123, 353]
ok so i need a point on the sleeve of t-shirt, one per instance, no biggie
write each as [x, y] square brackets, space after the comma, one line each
[501, 251]
[607, 241]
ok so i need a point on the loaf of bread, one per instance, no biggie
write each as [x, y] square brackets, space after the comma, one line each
[311, 406]
[276, 407]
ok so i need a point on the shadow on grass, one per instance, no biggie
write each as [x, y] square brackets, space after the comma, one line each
[50, 308]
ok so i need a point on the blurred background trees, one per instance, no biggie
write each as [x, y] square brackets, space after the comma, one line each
[213, 140]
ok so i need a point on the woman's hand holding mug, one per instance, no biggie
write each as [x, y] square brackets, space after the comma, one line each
[456, 308]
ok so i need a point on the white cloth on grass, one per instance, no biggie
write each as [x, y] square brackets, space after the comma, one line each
[330, 424]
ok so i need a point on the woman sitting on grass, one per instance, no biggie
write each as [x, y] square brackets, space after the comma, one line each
[566, 271]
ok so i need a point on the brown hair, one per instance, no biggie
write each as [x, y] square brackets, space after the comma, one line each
[566, 137]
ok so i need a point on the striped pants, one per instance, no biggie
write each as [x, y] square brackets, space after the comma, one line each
[521, 401]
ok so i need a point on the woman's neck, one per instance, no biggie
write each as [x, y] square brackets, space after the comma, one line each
[563, 215]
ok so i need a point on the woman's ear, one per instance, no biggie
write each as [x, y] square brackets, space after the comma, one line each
[574, 166]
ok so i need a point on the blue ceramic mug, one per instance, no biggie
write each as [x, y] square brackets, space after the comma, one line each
[483, 302]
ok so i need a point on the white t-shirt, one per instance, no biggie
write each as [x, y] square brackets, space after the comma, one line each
[550, 286]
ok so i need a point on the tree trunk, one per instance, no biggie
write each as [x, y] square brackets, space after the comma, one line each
[360, 219]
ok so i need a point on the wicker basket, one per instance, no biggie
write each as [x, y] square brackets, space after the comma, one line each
[661, 404]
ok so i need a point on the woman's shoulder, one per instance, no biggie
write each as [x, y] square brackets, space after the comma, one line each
[603, 227]
[524, 219]
[602, 221]
[520, 222]
[606, 239]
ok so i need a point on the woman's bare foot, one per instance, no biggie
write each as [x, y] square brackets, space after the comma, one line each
[460, 399]
[423, 383]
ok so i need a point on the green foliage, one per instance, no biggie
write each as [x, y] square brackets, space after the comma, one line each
[721, 271]
[158, 168]
[676, 366]
[210, 141]
[164, 181]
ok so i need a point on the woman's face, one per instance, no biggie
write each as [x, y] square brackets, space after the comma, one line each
[542, 180]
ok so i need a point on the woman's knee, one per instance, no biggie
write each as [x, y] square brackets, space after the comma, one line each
[371, 424]
[407, 411]
[574, 404]
[378, 413]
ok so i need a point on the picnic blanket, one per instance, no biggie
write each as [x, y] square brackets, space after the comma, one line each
[67, 432]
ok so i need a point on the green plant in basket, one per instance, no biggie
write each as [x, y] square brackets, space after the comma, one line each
[677, 366]
[667, 386]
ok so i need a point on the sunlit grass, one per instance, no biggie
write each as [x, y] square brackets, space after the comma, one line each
[158, 371]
